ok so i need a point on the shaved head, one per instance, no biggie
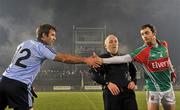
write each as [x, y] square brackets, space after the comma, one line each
[111, 44]
[109, 37]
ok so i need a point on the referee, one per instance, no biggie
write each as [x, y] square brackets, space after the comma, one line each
[118, 80]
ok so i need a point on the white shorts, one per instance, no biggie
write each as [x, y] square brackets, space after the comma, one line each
[166, 97]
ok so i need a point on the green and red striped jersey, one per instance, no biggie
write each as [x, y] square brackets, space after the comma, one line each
[156, 63]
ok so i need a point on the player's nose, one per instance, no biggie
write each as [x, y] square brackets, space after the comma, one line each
[54, 38]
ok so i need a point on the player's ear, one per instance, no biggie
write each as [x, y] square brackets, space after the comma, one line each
[43, 36]
[105, 46]
[154, 33]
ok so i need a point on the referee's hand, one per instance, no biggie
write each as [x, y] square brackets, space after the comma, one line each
[113, 88]
[131, 85]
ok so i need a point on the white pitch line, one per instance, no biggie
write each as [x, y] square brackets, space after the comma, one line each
[91, 102]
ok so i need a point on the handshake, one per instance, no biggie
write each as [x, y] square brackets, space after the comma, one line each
[93, 61]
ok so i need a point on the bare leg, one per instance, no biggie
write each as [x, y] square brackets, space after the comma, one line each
[153, 106]
[169, 106]
[31, 108]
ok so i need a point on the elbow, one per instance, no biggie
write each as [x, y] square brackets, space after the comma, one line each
[62, 58]
[94, 77]
[59, 58]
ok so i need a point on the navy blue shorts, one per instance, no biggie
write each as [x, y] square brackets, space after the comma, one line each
[14, 94]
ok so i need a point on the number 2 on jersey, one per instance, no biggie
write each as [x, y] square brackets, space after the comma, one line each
[28, 54]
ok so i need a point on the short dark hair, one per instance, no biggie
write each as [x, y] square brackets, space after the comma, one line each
[44, 28]
[152, 27]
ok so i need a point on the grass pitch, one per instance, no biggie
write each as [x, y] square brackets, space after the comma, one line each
[83, 101]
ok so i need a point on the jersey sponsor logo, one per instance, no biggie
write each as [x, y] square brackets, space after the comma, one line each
[159, 64]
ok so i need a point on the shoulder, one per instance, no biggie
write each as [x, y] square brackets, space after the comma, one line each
[27, 44]
[141, 48]
[121, 54]
[42, 47]
[50, 48]
[164, 43]
[104, 55]
[138, 50]
[31, 42]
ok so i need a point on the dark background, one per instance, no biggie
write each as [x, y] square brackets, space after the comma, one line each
[19, 19]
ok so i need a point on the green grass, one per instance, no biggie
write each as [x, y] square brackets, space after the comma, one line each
[69, 101]
[83, 101]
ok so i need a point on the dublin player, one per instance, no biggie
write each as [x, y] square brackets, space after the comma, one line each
[16, 81]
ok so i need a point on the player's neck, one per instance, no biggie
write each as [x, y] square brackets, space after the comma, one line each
[152, 44]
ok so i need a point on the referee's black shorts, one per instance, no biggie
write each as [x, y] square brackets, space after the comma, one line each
[14, 94]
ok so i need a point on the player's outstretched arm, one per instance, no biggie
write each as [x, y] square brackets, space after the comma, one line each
[67, 58]
[117, 59]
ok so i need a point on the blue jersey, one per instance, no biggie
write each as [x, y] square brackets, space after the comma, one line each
[27, 61]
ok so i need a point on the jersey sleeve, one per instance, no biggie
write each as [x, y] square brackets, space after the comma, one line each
[140, 54]
[132, 71]
[98, 74]
[47, 52]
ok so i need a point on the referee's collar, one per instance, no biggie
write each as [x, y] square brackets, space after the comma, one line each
[113, 54]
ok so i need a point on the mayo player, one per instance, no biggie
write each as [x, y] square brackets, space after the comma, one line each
[159, 72]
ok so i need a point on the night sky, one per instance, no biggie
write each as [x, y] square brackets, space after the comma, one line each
[19, 19]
